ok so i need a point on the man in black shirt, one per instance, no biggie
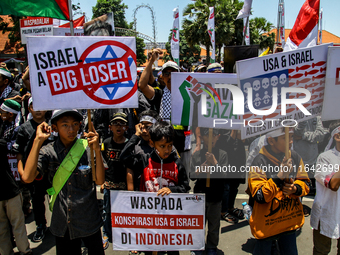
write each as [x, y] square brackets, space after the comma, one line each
[10, 209]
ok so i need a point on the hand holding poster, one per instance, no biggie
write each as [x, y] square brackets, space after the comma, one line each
[83, 72]
[283, 86]
[202, 99]
[143, 221]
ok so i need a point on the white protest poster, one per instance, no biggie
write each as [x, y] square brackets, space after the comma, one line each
[37, 26]
[332, 87]
[297, 78]
[13, 163]
[143, 221]
[83, 72]
[203, 98]
[66, 31]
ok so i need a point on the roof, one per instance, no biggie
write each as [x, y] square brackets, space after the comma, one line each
[327, 37]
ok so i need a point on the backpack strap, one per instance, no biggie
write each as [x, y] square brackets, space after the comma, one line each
[65, 169]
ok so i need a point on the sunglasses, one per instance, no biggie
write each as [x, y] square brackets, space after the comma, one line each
[117, 123]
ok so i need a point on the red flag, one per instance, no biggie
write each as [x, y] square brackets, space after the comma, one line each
[76, 23]
[305, 30]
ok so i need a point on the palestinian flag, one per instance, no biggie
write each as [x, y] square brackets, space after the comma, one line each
[58, 9]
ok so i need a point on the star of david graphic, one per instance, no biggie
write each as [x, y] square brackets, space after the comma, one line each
[111, 89]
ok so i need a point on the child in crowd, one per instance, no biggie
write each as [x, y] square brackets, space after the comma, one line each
[22, 148]
[162, 157]
[214, 192]
[66, 164]
[115, 174]
[138, 144]
[172, 176]
[325, 216]
[276, 185]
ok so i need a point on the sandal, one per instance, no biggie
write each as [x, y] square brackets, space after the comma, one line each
[306, 211]
[238, 213]
[229, 218]
[105, 242]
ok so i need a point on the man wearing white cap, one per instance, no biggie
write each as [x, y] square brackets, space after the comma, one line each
[275, 184]
[325, 216]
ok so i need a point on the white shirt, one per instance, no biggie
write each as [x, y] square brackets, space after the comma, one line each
[326, 206]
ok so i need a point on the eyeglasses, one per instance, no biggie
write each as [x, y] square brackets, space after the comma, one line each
[117, 123]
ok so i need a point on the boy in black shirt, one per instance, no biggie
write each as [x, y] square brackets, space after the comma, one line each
[22, 147]
[201, 160]
[115, 173]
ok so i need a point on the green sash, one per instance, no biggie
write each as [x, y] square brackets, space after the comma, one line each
[65, 169]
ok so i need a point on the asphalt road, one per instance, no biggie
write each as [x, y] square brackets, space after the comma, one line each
[234, 238]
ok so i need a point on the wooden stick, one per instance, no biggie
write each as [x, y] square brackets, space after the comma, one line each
[94, 178]
[287, 148]
[287, 142]
[209, 150]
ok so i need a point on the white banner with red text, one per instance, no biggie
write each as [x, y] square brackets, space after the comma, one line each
[37, 26]
[332, 86]
[82, 72]
[280, 85]
[143, 221]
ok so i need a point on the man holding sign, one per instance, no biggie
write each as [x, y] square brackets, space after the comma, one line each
[276, 184]
[66, 163]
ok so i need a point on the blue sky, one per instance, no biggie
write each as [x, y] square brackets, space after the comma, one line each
[260, 8]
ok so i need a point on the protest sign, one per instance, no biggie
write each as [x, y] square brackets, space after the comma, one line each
[66, 31]
[202, 99]
[332, 86]
[36, 26]
[13, 163]
[83, 72]
[143, 221]
[302, 71]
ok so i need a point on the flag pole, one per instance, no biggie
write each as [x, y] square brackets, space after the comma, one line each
[71, 17]
[278, 24]
[245, 31]
[88, 110]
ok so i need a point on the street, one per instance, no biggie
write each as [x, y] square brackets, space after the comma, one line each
[234, 238]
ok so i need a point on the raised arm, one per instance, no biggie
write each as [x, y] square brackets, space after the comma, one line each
[30, 170]
[145, 78]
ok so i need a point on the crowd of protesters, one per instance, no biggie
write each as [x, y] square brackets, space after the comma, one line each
[129, 143]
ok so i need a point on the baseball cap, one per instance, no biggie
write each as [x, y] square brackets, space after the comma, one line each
[170, 64]
[73, 112]
[213, 67]
[119, 116]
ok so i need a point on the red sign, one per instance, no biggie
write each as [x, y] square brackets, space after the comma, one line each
[34, 22]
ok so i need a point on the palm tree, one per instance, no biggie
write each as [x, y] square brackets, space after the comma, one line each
[195, 26]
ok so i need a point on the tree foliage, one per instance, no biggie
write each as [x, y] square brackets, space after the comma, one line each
[187, 54]
[259, 29]
[196, 23]
[228, 30]
[118, 8]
